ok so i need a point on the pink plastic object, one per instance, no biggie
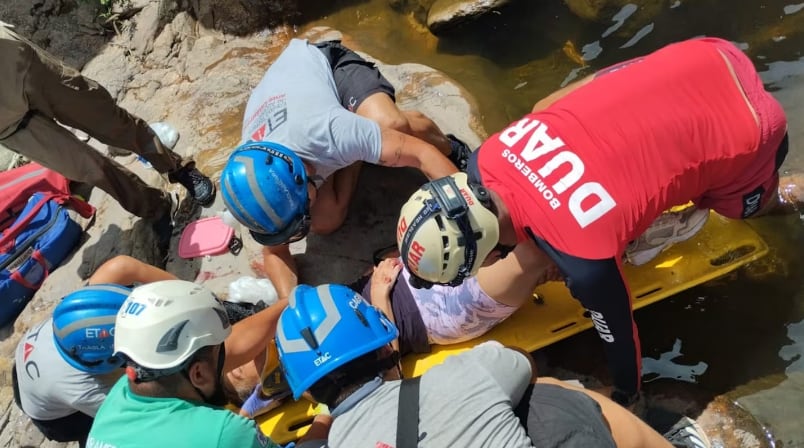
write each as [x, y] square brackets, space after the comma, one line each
[207, 236]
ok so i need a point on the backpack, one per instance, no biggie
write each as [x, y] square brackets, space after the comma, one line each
[37, 232]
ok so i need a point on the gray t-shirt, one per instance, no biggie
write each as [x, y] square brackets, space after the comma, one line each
[467, 401]
[49, 387]
[296, 105]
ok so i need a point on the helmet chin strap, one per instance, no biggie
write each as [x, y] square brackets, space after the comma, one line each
[218, 397]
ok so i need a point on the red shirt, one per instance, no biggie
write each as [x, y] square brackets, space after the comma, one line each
[592, 171]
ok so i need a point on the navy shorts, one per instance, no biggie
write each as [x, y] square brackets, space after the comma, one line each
[355, 78]
[559, 417]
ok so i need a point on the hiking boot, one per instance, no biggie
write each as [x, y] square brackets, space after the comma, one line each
[166, 133]
[199, 186]
[687, 433]
[669, 228]
[459, 156]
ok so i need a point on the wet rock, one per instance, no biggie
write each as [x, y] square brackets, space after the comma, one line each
[417, 8]
[446, 14]
[638, 13]
[241, 17]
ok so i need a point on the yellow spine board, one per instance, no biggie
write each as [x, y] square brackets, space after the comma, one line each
[722, 246]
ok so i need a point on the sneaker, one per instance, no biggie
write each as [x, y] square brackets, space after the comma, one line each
[668, 229]
[199, 186]
[687, 433]
[166, 133]
[460, 153]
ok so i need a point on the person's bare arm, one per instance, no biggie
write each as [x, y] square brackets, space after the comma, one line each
[511, 280]
[400, 149]
[250, 336]
[534, 372]
[125, 270]
[382, 283]
[280, 267]
[319, 429]
[627, 429]
[560, 93]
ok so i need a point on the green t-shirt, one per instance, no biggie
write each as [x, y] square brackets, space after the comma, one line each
[129, 420]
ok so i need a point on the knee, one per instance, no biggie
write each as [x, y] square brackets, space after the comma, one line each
[327, 223]
[397, 122]
[119, 266]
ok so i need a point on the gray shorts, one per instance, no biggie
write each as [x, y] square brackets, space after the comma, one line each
[557, 417]
[355, 78]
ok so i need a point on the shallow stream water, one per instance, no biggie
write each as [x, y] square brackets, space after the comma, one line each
[745, 333]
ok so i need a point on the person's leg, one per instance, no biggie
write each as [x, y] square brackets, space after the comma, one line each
[584, 416]
[381, 108]
[331, 204]
[72, 428]
[62, 93]
[47, 143]
[125, 270]
[365, 91]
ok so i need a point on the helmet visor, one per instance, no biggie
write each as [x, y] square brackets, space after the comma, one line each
[295, 231]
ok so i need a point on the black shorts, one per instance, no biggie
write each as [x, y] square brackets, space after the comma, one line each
[559, 417]
[72, 428]
[355, 78]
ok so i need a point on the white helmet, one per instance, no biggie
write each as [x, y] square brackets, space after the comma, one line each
[446, 230]
[162, 324]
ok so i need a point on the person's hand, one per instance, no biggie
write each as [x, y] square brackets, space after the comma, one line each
[384, 276]
[257, 403]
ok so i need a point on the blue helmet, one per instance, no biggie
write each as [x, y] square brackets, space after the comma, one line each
[264, 186]
[324, 328]
[83, 327]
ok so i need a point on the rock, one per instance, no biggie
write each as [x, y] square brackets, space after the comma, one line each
[146, 29]
[242, 17]
[9, 159]
[447, 14]
[417, 8]
[603, 11]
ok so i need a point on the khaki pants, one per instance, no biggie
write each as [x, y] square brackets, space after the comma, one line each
[36, 90]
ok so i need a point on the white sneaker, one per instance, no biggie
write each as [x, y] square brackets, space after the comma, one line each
[669, 228]
[687, 433]
[167, 134]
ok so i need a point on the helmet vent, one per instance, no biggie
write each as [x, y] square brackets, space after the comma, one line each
[159, 302]
[170, 340]
[309, 338]
[362, 318]
[445, 241]
[440, 221]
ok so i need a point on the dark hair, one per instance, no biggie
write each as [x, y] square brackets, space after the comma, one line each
[341, 382]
